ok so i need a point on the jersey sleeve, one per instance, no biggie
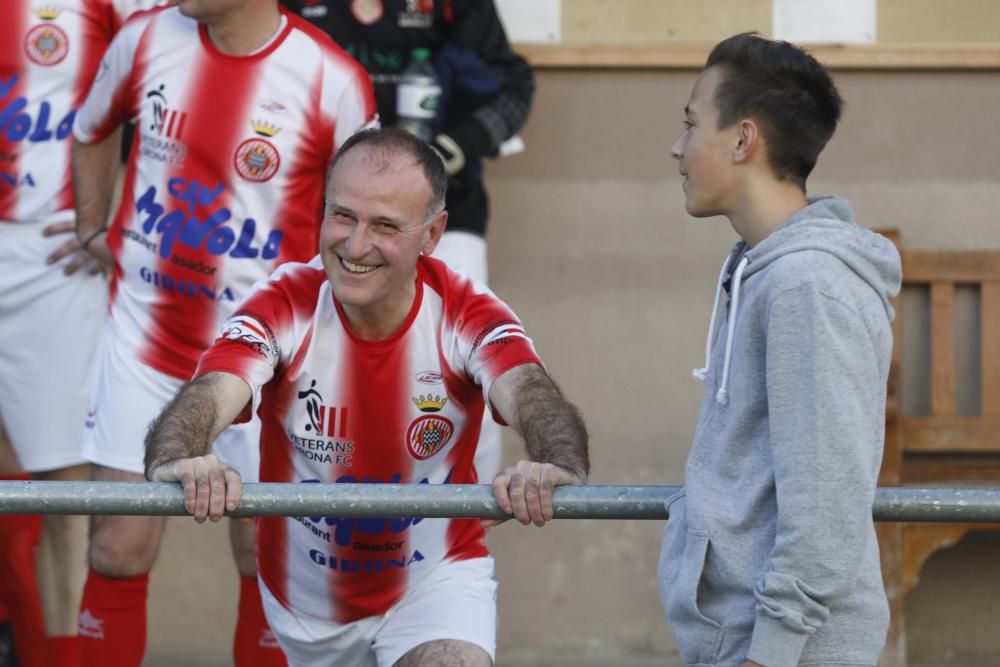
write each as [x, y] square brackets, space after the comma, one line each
[484, 338]
[253, 342]
[111, 100]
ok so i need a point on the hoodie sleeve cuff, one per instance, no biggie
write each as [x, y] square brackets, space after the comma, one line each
[774, 644]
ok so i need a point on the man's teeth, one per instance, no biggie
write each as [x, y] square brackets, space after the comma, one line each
[356, 268]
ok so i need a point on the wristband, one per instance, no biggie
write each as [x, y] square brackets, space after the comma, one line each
[86, 242]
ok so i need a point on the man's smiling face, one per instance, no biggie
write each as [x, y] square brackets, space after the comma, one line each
[377, 224]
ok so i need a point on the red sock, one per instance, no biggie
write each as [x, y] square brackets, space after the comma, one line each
[64, 651]
[113, 621]
[19, 587]
[254, 643]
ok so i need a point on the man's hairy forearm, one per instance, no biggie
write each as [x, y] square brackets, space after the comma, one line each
[552, 427]
[95, 167]
[186, 427]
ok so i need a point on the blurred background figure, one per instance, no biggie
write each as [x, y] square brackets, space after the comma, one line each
[215, 197]
[444, 70]
[52, 300]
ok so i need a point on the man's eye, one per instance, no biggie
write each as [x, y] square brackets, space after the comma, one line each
[342, 218]
[386, 228]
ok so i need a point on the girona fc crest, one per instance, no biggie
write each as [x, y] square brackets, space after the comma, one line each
[46, 44]
[367, 11]
[257, 160]
[428, 435]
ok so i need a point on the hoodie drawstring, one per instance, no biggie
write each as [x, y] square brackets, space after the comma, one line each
[721, 396]
[702, 373]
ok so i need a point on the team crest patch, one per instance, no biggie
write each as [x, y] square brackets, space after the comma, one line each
[428, 435]
[367, 11]
[257, 160]
[46, 44]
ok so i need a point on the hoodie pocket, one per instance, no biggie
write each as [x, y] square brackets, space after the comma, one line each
[699, 638]
[672, 544]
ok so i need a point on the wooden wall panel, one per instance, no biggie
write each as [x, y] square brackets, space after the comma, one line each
[673, 34]
[657, 21]
[936, 21]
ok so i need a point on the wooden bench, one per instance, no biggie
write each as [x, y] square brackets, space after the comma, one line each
[942, 448]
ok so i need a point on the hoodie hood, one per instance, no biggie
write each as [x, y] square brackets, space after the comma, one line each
[826, 225]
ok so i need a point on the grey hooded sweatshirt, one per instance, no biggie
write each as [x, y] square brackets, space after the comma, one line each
[770, 552]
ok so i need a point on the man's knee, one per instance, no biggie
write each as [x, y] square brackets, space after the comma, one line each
[124, 546]
[445, 653]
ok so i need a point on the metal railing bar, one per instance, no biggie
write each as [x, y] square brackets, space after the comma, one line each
[450, 500]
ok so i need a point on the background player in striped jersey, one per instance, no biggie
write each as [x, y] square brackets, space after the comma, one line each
[51, 312]
[239, 109]
[374, 363]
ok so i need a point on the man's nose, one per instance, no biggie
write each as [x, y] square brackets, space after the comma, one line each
[358, 242]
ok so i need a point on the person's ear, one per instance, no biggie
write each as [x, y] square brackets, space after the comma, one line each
[747, 139]
[434, 231]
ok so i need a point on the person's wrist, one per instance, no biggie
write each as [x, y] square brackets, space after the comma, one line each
[90, 238]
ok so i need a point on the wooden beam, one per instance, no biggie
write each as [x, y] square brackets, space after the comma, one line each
[691, 56]
[957, 266]
[989, 300]
[950, 435]
[942, 348]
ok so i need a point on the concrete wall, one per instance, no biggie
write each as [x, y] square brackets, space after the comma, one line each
[591, 246]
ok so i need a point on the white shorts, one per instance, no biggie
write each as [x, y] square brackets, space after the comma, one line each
[466, 252]
[128, 396]
[455, 601]
[50, 325]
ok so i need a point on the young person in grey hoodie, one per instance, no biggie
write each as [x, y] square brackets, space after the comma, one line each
[770, 556]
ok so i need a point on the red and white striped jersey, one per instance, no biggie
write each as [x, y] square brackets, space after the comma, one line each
[335, 408]
[226, 176]
[49, 53]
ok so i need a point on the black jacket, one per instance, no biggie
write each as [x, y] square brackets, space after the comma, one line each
[486, 88]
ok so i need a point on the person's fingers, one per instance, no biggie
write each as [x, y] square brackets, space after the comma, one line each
[80, 260]
[202, 490]
[217, 489]
[532, 485]
[500, 492]
[516, 488]
[65, 250]
[546, 487]
[234, 488]
[186, 477]
[59, 228]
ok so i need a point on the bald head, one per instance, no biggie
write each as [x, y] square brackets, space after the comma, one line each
[384, 149]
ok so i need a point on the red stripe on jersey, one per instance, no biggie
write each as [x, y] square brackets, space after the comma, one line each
[13, 69]
[273, 552]
[127, 97]
[275, 466]
[183, 325]
[99, 23]
[301, 212]
[376, 377]
[466, 537]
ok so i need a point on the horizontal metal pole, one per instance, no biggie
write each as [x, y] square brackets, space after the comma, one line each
[448, 500]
